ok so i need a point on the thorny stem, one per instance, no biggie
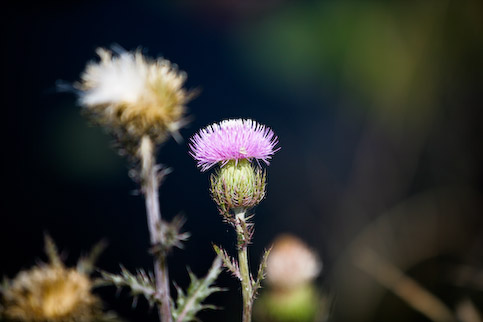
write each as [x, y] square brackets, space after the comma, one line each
[246, 284]
[150, 184]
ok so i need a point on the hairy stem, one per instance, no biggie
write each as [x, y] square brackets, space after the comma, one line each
[150, 184]
[246, 283]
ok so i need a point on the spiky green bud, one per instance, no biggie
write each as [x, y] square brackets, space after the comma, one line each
[237, 184]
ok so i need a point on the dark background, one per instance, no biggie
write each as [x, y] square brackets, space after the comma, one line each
[378, 107]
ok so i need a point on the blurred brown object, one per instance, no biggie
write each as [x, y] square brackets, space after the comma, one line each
[291, 263]
[443, 224]
[403, 286]
[291, 294]
[467, 312]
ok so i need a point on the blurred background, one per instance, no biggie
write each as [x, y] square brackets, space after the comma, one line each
[377, 104]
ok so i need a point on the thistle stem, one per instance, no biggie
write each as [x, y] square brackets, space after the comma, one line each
[150, 185]
[246, 283]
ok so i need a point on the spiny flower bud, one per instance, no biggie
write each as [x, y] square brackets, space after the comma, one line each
[238, 184]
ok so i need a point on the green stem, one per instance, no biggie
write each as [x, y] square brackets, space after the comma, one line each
[246, 283]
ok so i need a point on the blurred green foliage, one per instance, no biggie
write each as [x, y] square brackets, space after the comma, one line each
[395, 54]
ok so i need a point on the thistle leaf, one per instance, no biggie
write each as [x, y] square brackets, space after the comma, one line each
[189, 304]
[228, 262]
[256, 285]
[171, 237]
[51, 251]
[86, 263]
[244, 237]
[108, 317]
[4, 284]
[141, 283]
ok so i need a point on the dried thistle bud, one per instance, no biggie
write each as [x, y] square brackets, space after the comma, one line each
[238, 184]
[52, 292]
[291, 263]
[133, 96]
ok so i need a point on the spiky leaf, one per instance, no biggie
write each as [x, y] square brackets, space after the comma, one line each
[189, 304]
[51, 251]
[109, 317]
[256, 285]
[141, 283]
[4, 284]
[171, 237]
[228, 262]
[86, 263]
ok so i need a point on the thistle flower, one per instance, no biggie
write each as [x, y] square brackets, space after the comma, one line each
[133, 96]
[52, 292]
[48, 293]
[232, 140]
[237, 185]
[291, 263]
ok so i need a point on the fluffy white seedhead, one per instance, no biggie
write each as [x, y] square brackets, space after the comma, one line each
[115, 80]
[134, 96]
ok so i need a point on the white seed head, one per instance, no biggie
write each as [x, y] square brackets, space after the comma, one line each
[134, 96]
[115, 80]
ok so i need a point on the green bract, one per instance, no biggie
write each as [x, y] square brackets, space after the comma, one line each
[237, 184]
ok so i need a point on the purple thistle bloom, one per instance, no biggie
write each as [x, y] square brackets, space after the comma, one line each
[232, 140]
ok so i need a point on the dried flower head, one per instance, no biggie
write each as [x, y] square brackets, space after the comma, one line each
[237, 185]
[291, 263]
[133, 96]
[233, 140]
[52, 293]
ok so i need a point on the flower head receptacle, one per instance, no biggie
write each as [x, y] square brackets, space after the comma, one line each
[237, 185]
[133, 96]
